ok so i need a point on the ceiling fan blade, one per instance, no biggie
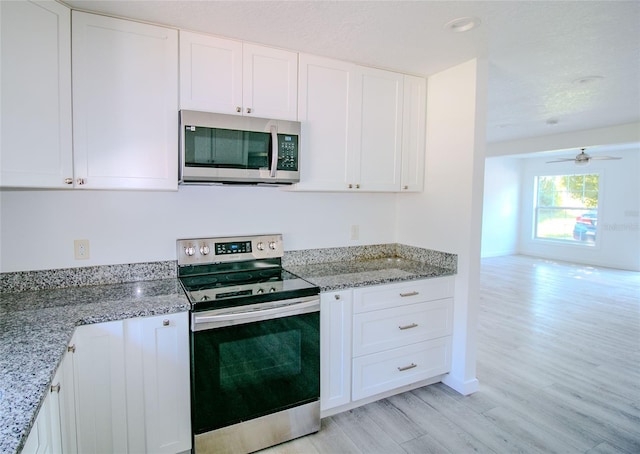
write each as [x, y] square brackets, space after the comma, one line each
[562, 160]
[604, 158]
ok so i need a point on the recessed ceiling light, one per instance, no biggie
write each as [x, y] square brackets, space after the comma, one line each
[552, 121]
[462, 24]
[588, 80]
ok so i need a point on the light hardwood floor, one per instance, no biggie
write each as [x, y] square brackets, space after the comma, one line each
[558, 365]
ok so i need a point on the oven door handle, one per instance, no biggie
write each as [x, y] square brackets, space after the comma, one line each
[239, 317]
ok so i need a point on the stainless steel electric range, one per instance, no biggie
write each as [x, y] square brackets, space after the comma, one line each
[255, 344]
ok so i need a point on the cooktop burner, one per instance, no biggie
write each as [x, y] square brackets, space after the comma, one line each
[214, 277]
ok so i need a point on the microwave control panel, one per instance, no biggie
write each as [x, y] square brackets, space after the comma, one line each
[288, 152]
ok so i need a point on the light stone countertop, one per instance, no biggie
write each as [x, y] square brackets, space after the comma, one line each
[332, 276]
[36, 326]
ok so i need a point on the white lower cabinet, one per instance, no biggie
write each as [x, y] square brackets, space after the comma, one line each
[335, 349]
[158, 397]
[100, 395]
[54, 428]
[123, 387]
[40, 439]
[380, 338]
[389, 369]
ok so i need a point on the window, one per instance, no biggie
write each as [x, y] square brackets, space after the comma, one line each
[567, 208]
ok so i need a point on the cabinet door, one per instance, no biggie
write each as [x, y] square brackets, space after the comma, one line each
[327, 92]
[158, 383]
[210, 73]
[270, 82]
[413, 133]
[40, 440]
[335, 349]
[99, 383]
[35, 146]
[377, 167]
[66, 404]
[125, 104]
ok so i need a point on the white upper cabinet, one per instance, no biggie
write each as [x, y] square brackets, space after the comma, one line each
[351, 127]
[36, 147]
[227, 76]
[413, 133]
[210, 73]
[377, 164]
[125, 104]
[327, 93]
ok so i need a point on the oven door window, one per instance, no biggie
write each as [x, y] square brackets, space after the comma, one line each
[225, 148]
[246, 371]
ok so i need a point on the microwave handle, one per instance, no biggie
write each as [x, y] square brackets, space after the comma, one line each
[274, 151]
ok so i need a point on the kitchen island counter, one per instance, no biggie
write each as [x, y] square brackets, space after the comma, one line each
[36, 326]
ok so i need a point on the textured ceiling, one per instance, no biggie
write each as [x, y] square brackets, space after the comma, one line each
[537, 50]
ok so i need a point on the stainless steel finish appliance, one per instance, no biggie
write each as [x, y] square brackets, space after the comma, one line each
[220, 148]
[255, 344]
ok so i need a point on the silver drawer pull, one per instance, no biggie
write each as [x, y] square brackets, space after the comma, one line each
[409, 294]
[55, 388]
[413, 325]
[410, 366]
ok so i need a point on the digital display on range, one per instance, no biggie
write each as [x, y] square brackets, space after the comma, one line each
[234, 247]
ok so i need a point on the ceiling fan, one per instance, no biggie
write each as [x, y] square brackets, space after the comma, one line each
[583, 159]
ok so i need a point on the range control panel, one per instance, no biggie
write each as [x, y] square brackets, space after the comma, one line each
[202, 251]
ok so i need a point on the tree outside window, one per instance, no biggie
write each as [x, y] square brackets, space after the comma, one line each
[567, 208]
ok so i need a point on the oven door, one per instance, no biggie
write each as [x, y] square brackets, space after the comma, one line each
[259, 361]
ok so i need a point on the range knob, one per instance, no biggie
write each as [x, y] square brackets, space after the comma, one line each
[204, 250]
[272, 245]
[272, 290]
[260, 246]
[189, 251]
[260, 291]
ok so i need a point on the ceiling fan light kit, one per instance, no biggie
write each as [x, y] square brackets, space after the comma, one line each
[583, 159]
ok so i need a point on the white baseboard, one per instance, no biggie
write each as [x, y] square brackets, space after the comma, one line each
[463, 387]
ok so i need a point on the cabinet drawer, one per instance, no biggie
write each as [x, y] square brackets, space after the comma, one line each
[380, 372]
[398, 326]
[390, 295]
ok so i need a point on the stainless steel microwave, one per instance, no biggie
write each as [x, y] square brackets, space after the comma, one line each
[219, 148]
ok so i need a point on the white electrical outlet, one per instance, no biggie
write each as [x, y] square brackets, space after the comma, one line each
[355, 232]
[81, 249]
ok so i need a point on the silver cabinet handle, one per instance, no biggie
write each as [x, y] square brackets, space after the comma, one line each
[80, 181]
[412, 325]
[248, 109]
[357, 186]
[404, 295]
[350, 186]
[238, 109]
[405, 187]
[68, 181]
[165, 322]
[55, 388]
[274, 149]
[410, 366]
[336, 296]
[71, 348]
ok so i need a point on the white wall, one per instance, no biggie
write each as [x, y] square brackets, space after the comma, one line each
[37, 228]
[448, 215]
[501, 206]
[618, 235]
